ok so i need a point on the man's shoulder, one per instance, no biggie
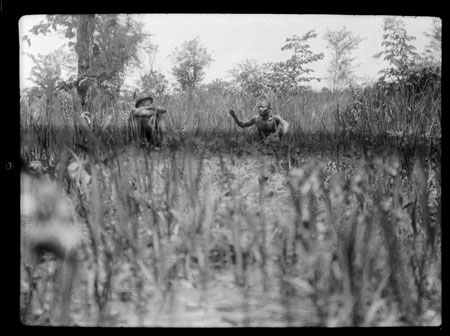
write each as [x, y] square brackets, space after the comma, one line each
[277, 117]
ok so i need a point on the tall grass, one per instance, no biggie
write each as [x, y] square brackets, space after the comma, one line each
[338, 225]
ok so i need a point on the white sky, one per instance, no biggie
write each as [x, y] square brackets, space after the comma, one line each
[233, 38]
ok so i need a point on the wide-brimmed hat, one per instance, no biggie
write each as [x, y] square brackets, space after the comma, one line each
[142, 99]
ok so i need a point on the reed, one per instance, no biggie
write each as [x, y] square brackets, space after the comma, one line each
[339, 225]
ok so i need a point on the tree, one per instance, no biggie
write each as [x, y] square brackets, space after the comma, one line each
[398, 51]
[341, 43]
[219, 87]
[282, 78]
[190, 60]
[80, 27]
[104, 44]
[433, 51]
[117, 41]
[154, 83]
[424, 78]
[83, 47]
[249, 76]
[289, 77]
[48, 70]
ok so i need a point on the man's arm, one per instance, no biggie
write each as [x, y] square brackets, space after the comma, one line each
[148, 111]
[142, 112]
[283, 124]
[241, 123]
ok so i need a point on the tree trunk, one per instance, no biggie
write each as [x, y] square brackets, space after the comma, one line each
[84, 49]
[85, 38]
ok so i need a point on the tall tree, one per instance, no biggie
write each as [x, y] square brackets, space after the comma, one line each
[190, 61]
[85, 38]
[289, 77]
[342, 43]
[104, 44]
[398, 50]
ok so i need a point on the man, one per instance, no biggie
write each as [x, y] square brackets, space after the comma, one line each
[145, 121]
[266, 122]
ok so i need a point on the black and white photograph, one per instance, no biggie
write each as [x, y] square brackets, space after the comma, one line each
[230, 170]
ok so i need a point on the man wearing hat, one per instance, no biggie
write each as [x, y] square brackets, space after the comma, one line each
[145, 121]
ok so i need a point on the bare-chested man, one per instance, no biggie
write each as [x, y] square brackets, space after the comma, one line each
[266, 122]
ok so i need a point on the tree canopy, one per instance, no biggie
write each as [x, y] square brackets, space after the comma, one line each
[341, 43]
[104, 44]
[398, 51]
[190, 60]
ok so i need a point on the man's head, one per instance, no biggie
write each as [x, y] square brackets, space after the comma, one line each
[264, 107]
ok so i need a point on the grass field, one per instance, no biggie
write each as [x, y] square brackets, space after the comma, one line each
[336, 225]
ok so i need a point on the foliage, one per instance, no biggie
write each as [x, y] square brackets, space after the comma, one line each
[398, 51]
[115, 44]
[219, 85]
[281, 78]
[424, 79]
[46, 71]
[117, 40]
[190, 60]
[294, 67]
[323, 229]
[326, 223]
[288, 77]
[341, 43]
[50, 69]
[329, 238]
[154, 83]
[250, 77]
[433, 51]
[409, 71]
[65, 25]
